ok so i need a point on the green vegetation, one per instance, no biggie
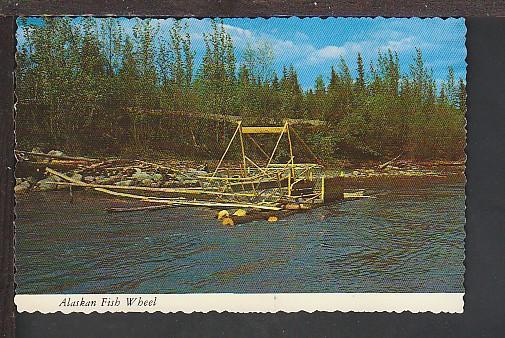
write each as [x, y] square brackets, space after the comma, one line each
[88, 87]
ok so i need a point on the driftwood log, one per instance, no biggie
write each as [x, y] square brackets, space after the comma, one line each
[150, 208]
[385, 164]
[57, 157]
[168, 201]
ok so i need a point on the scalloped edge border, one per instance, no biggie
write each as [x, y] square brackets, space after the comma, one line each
[261, 303]
[247, 303]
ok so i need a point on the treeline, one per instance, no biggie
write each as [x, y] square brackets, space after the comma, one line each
[88, 86]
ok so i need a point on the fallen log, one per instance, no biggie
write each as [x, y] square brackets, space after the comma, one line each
[152, 189]
[385, 164]
[356, 195]
[212, 204]
[150, 207]
[166, 200]
[26, 168]
[61, 157]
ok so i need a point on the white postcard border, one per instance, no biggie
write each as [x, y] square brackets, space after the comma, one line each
[243, 303]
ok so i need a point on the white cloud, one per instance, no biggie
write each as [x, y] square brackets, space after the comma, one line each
[326, 53]
[371, 45]
[284, 50]
[407, 43]
[238, 33]
[332, 52]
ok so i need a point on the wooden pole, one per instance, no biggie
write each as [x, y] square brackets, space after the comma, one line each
[292, 159]
[170, 201]
[322, 188]
[289, 183]
[227, 148]
[243, 150]
[166, 190]
[214, 204]
[149, 207]
[306, 146]
[73, 182]
[276, 145]
[258, 146]
[257, 166]
[186, 202]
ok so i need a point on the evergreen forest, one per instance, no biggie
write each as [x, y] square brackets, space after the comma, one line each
[88, 87]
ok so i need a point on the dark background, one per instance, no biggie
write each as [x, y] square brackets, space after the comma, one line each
[253, 8]
[485, 260]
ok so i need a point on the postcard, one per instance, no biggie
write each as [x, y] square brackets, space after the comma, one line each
[240, 164]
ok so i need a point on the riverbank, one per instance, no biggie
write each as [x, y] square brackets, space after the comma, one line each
[174, 173]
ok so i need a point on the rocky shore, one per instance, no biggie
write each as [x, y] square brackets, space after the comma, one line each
[118, 172]
[31, 176]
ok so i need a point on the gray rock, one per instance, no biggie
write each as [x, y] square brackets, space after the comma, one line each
[125, 183]
[102, 180]
[157, 177]
[77, 177]
[89, 179]
[199, 172]
[139, 175]
[46, 184]
[146, 182]
[56, 153]
[21, 187]
[189, 182]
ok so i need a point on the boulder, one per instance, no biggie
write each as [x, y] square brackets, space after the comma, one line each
[102, 180]
[46, 184]
[21, 187]
[140, 175]
[199, 173]
[77, 177]
[146, 182]
[55, 153]
[157, 177]
[190, 182]
[125, 183]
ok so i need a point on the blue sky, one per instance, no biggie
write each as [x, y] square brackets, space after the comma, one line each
[313, 45]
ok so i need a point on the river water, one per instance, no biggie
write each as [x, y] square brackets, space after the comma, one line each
[410, 238]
